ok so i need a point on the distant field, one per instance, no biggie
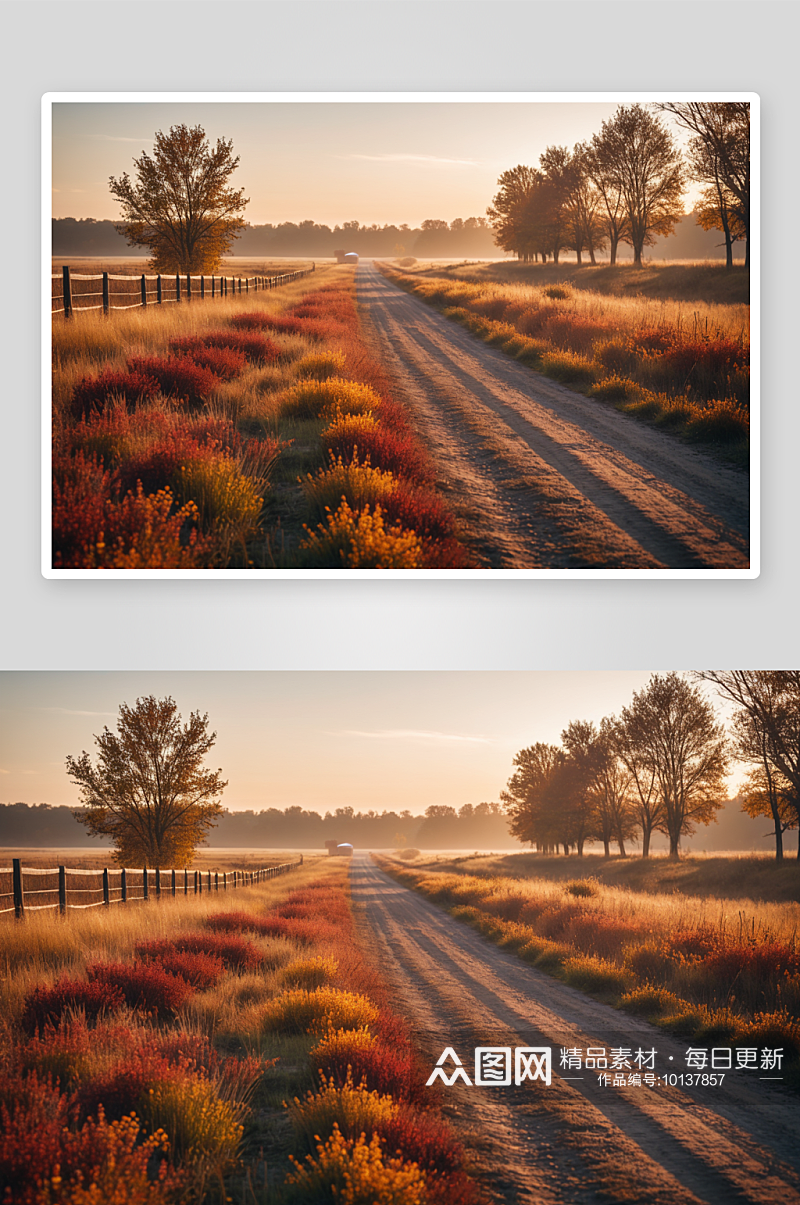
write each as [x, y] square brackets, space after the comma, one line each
[79, 858]
[678, 280]
[134, 265]
[731, 876]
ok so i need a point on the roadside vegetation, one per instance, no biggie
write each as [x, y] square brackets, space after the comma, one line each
[213, 1050]
[238, 434]
[726, 876]
[682, 365]
[722, 971]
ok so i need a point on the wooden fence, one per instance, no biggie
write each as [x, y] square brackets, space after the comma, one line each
[121, 886]
[72, 289]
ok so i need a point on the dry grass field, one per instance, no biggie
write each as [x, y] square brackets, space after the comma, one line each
[239, 1048]
[248, 431]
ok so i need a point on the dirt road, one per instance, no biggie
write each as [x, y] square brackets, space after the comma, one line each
[574, 1142]
[541, 476]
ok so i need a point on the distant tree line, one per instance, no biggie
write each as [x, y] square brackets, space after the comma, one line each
[483, 826]
[660, 766]
[626, 185]
[462, 238]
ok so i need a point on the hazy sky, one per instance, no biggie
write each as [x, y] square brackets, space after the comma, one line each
[384, 163]
[378, 740]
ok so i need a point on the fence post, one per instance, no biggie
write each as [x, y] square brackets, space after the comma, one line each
[145, 885]
[209, 880]
[144, 289]
[225, 880]
[198, 881]
[106, 892]
[105, 294]
[158, 289]
[62, 889]
[173, 882]
[19, 899]
[123, 885]
[158, 880]
[188, 286]
[177, 288]
[212, 286]
[202, 288]
[216, 880]
[185, 881]
[67, 292]
[246, 285]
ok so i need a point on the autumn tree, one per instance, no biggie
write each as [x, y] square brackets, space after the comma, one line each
[508, 211]
[767, 733]
[637, 156]
[633, 750]
[612, 792]
[675, 732]
[148, 790]
[525, 796]
[610, 210]
[180, 205]
[719, 157]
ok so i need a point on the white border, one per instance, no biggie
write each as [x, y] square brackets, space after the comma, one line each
[51, 98]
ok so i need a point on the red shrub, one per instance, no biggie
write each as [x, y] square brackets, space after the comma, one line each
[199, 970]
[178, 377]
[420, 510]
[44, 1160]
[764, 962]
[249, 347]
[386, 1069]
[713, 356]
[693, 943]
[401, 454]
[554, 921]
[652, 338]
[225, 362]
[45, 1005]
[604, 935]
[144, 985]
[447, 554]
[234, 951]
[308, 930]
[422, 1138]
[81, 490]
[574, 332]
[235, 922]
[119, 1089]
[92, 393]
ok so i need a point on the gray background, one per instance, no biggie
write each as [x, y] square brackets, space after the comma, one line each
[409, 46]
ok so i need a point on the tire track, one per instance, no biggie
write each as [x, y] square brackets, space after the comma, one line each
[545, 477]
[575, 1141]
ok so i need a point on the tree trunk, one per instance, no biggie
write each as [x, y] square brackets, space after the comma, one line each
[674, 842]
[747, 251]
[592, 259]
[606, 850]
[613, 248]
[555, 256]
[637, 254]
[645, 842]
[621, 844]
[728, 252]
[578, 253]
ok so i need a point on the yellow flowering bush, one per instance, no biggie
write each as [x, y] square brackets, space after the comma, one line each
[326, 399]
[221, 492]
[320, 366]
[358, 484]
[354, 1172]
[351, 539]
[317, 1011]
